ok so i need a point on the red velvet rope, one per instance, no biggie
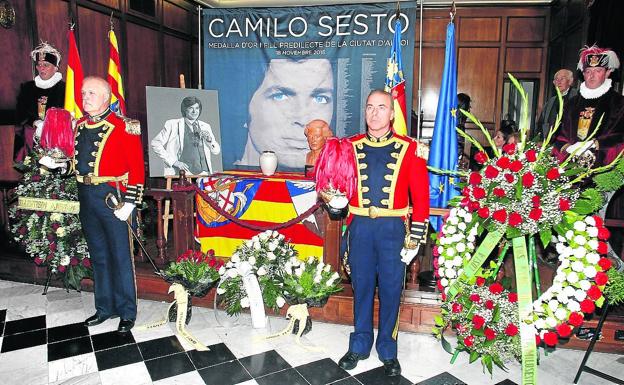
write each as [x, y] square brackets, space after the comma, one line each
[240, 222]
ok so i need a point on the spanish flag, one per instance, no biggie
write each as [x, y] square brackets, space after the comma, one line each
[118, 100]
[395, 82]
[73, 95]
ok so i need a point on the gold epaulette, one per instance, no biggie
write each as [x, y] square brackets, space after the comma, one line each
[133, 126]
[422, 150]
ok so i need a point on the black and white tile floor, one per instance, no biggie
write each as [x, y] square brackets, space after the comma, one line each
[43, 341]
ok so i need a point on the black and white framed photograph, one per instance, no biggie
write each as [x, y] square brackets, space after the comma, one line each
[183, 131]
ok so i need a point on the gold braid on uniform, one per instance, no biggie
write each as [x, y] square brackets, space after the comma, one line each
[417, 234]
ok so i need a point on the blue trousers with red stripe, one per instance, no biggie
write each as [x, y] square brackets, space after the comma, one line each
[108, 239]
[375, 261]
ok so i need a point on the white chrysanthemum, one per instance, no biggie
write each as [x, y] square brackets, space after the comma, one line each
[579, 252]
[317, 278]
[264, 236]
[252, 260]
[452, 221]
[458, 261]
[450, 273]
[229, 264]
[272, 245]
[220, 290]
[280, 237]
[559, 247]
[222, 270]
[553, 304]
[556, 287]
[562, 297]
[450, 251]
[275, 234]
[261, 271]
[561, 314]
[574, 306]
[584, 284]
[440, 250]
[299, 271]
[569, 234]
[60, 231]
[254, 238]
[470, 238]
[249, 243]
[310, 260]
[569, 290]
[578, 266]
[565, 263]
[64, 260]
[580, 239]
[592, 244]
[232, 273]
[579, 226]
[561, 238]
[540, 323]
[592, 231]
[245, 302]
[590, 271]
[280, 301]
[572, 277]
[256, 245]
[56, 217]
[590, 221]
[271, 256]
[461, 226]
[327, 268]
[460, 247]
[551, 322]
[580, 295]
[592, 258]
[449, 263]
[444, 282]
[235, 258]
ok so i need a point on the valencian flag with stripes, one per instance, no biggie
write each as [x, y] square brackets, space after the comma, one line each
[118, 101]
[443, 148]
[73, 78]
[395, 82]
[259, 201]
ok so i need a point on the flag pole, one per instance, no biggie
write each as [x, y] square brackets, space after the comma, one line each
[199, 47]
[420, 47]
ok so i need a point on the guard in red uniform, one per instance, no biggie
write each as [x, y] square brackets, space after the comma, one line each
[380, 239]
[108, 160]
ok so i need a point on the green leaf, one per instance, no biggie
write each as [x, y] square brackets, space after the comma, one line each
[439, 321]
[474, 355]
[487, 362]
[600, 301]
[446, 345]
[513, 232]
[583, 207]
[545, 236]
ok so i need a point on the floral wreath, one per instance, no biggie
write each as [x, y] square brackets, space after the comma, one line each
[524, 190]
[54, 240]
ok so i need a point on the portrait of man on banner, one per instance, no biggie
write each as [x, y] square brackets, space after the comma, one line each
[183, 131]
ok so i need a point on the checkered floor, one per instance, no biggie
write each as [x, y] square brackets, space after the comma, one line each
[43, 341]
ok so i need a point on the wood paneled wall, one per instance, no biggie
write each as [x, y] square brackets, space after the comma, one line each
[154, 50]
[490, 41]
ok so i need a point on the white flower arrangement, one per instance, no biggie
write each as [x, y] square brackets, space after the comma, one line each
[264, 255]
[310, 281]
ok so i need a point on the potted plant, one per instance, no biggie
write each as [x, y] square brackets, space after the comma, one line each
[196, 272]
[308, 282]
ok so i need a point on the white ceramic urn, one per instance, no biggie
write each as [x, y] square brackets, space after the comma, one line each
[268, 162]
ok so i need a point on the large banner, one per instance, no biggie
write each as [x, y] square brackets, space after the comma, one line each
[276, 69]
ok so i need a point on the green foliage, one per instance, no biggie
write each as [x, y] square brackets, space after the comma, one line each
[609, 181]
[615, 287]
[194, 270]
[309, 282]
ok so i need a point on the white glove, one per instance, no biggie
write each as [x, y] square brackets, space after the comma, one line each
[407, 255]
[581, 146]
[50, 163]
[38, 124]
[338, 202]
[123, 213]
[181, 166]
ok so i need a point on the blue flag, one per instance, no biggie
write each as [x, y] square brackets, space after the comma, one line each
[443, 148]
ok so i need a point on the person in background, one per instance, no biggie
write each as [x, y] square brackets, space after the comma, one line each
[36, 97]
[563, 81]
[463, 103]
[508, 133]
[596, 99]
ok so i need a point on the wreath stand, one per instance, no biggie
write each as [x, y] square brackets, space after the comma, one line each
[47, 282]
[584, 367]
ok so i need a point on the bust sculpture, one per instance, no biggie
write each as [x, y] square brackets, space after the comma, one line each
[317, 131]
